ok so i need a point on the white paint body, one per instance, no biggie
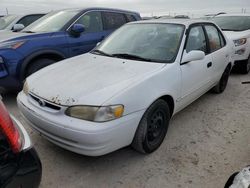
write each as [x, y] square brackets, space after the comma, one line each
[236, 35]
[99, 81]
[242, 179]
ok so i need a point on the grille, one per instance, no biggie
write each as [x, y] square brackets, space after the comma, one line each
[45, 103]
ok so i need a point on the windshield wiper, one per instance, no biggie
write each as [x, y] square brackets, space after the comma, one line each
[101, 53]
[131, 56]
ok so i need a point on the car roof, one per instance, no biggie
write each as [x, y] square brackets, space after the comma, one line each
[224, 15]
[186, 22]
[18, 16]
[97, 8]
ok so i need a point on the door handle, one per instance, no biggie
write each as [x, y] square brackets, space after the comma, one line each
[209, 64]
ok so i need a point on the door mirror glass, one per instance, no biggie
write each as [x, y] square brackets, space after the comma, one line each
[18, 27]
[194, 55]
[77, 29]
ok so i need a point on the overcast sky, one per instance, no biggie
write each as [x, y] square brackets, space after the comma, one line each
[146, 7]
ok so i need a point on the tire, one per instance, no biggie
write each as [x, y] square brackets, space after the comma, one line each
[37, 65]
[221, 86]
[245, 67]
[152, 128]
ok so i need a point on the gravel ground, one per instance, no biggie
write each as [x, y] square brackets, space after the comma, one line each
[205, 144]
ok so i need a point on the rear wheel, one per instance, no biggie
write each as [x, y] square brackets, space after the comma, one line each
[152, 128]
[37, 65]
[221, 86]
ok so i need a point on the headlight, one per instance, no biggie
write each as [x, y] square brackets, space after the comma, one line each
[11, 45]
[96, 114]
[240, 42]
[26, 88]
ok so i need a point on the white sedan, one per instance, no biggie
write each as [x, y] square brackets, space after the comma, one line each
[126, 90]
[237, 28]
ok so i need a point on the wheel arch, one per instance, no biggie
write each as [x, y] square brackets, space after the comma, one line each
[230, 64]
[170, 100]
[49, 54]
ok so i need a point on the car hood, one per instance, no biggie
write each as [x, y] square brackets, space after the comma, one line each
[234, 35]
[9, 35]
[88, 79]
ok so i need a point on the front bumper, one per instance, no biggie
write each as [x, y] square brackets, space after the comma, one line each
[241, 53]
[9, 83]
[10, 65]
[83, 137]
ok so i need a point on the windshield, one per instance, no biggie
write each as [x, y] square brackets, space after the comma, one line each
[51, 22]
[233, 23]
[6, 21]
[144, 41]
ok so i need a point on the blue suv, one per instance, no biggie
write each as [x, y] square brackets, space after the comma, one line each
[54, 37]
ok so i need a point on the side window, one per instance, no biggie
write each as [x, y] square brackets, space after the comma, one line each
[112, 20]
[196, 40]
[27, 20]
[92, 22]
[130, 18]
[213, 37]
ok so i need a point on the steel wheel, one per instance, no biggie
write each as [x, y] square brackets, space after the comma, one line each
[153, 127]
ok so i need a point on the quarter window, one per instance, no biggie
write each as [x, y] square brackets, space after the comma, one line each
[215, 41]
[222, 40]
[196, 40]
[112, 20]
[92, 22]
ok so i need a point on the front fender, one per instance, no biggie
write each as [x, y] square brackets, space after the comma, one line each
[32, 56]
[143, 93]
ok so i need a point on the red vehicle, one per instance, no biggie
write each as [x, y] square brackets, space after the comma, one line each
[20, 166]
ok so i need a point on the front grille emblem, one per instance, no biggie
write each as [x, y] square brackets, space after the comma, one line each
[41, 103]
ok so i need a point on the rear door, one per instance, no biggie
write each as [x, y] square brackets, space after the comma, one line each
[196, 77]
[218, 50]
[93, 33]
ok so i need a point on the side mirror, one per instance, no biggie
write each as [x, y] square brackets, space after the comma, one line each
[77, 29]
[18, 27]
[194, 55]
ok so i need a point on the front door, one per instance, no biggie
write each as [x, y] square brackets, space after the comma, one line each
[93, 34]
[196, 74]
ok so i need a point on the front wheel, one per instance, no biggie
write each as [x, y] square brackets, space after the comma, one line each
[152, 128]
[37, 65]
[221, 86]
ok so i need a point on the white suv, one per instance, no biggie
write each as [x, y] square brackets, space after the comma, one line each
[237, 28]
